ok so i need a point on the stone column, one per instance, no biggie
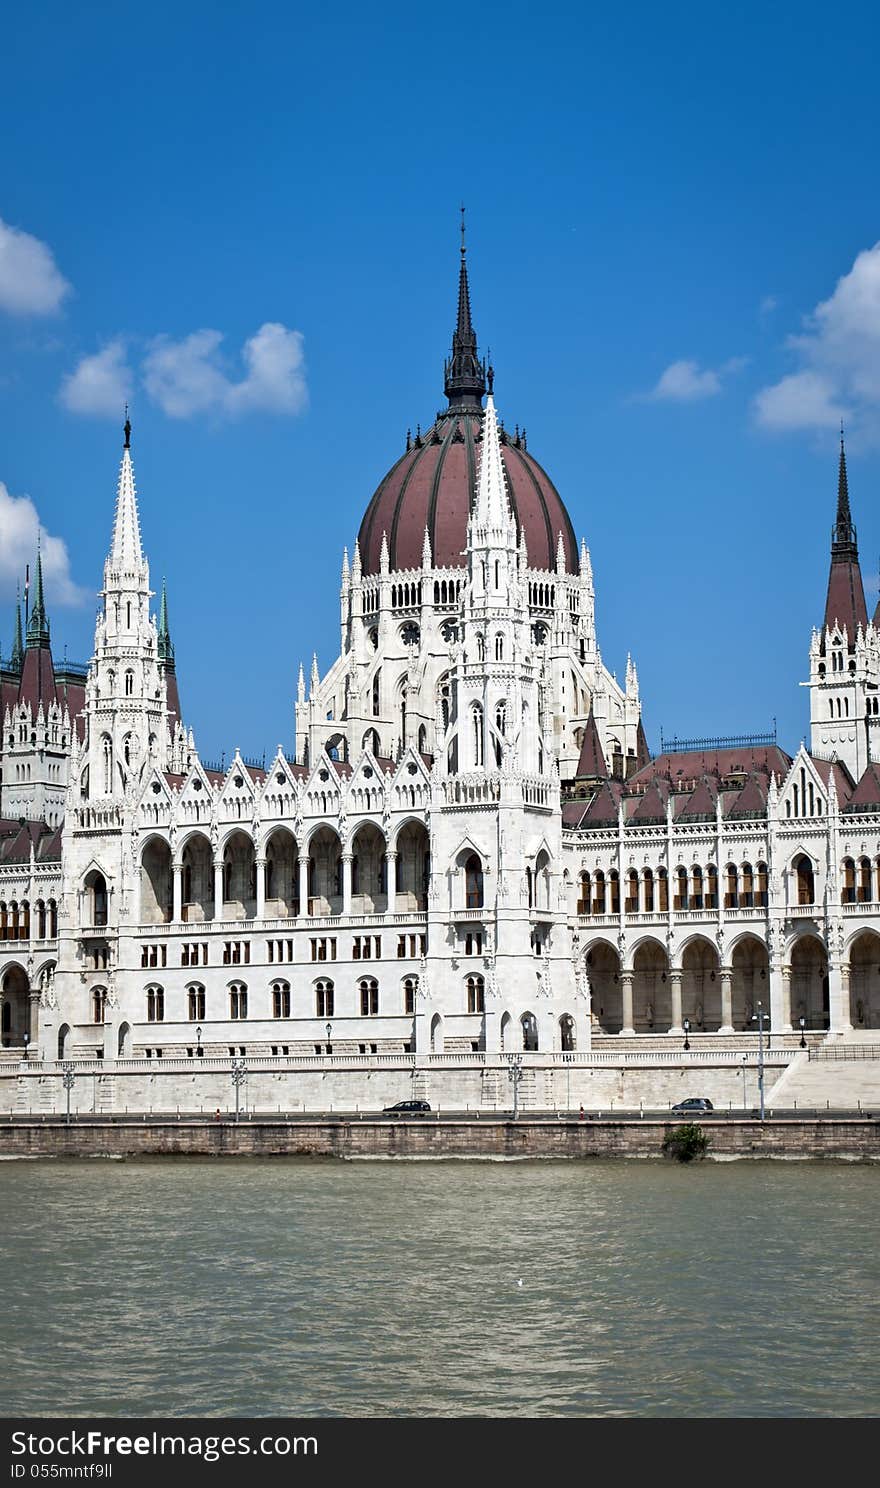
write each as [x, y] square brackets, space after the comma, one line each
[218, 889]
[838, 997]
[626, 989]
[726, 999]
[303, 885]
[34, 1021]
[675, 978]
[391, 881]
[346, 883]
[177, 892]
[261, 888]
[780, 998]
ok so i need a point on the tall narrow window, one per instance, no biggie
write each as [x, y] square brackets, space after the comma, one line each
[806, 893]
[238, 1000]
[477, 734]
[473, 883]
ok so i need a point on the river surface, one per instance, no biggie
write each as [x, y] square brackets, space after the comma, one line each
[292, 1287]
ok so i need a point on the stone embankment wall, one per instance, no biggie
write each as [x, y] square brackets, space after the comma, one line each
[172, 1085]
[476, 1137]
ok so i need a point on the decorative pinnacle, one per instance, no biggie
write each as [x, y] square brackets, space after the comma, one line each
[17, 644]
[126, 429]
[125, 546]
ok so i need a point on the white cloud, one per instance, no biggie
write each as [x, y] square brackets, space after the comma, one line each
[686, 382]
[839, 355]
[803, 400]
[100, 384]
[767, 305]
[683, 382]
[30, 281]
[19, 528]
[188, 377]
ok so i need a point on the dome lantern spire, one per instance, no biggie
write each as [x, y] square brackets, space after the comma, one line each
[464, 373]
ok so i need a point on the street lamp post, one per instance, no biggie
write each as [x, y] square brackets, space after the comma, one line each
[758, 1018]
[803, 1022]
[68, 1075]
[199, 1050]
[239, 1073]
[26, 1038]
[686, 1024]
[329, 1028]
[745, 1061]
[514, 1075]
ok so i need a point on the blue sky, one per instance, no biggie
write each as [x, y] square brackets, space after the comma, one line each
[247, 219]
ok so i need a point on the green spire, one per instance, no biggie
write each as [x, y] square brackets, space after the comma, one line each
[166, 649]
[38, 624]
[18, 643]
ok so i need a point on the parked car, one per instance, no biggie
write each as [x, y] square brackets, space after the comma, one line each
[695, 1103]
[408, 1108]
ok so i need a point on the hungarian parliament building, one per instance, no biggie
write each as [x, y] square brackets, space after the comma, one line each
[470, 848]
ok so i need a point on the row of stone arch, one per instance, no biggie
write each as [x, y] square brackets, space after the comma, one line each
[286, 879]
[18, 923]
[648, 891]
[714, 997]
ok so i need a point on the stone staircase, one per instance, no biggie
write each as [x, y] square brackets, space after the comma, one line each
[844, 1074]
[534, 1091]
[494, 1090]
[35, 1093]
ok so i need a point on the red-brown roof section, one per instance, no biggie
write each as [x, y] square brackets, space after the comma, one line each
[432, 486]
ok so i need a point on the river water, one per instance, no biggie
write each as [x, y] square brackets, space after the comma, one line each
[293, 1287]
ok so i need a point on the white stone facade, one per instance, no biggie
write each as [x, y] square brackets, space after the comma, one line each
[434, 874]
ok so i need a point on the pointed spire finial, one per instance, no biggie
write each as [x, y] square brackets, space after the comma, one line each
[126, 429]
[491, 509]
[165, 649]
[38, 624]
[125, 545]
[843, 537]
[465, 378]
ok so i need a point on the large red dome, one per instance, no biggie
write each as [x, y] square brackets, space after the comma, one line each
[433, 484]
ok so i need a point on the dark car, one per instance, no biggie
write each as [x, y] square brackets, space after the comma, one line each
[696, 1103]
[408, 1108]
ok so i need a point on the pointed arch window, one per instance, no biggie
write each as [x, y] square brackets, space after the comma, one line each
[129, 683]
[864, 887]
[648, 891]
[473, 883]
[849, 881]
[806, 891]
[499, 647]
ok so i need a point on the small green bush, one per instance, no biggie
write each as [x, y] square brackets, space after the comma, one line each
[685, 1143]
